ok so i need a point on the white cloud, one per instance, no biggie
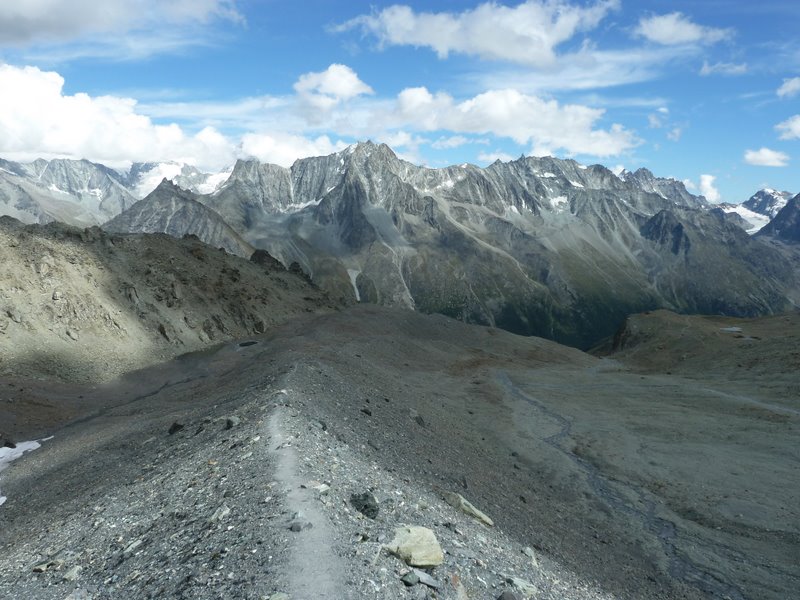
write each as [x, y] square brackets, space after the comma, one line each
[723, 68]
[335, 84]
[675, 29]
[764, 157]
[663, 110]
[446, 143]
[283, 149]
[708, 189]
[674, 134]
[487, 158]
[528, 33]
[790, 128]
[654, 122]
[54, 21]
[523, 118]
[789, 88]
[38, 119]
[689, 185]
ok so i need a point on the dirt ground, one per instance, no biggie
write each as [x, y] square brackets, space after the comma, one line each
[660, 471]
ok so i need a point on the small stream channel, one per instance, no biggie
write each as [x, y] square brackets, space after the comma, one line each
[680, 567]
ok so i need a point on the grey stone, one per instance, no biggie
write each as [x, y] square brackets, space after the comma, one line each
[508, 595]
[232, 422]
[299, 525]
[426, 579]
[220, 514]
[366, 504]
[73, 573]
[458, 501]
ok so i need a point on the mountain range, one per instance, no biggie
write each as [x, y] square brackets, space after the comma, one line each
[537, 246]
[83, 193]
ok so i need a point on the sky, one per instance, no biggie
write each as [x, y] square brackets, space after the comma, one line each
[705, 92]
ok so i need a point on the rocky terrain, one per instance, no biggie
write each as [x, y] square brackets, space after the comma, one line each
[86, 304]
[286, 463]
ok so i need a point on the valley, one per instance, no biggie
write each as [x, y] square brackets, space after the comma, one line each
[627, 480]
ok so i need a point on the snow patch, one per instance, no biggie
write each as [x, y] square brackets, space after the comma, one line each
[7, 455]
[54, 188]
[560, 203]
[549, 175]
[214, 182]
[575, 184]
[756, 220]
[354, 273]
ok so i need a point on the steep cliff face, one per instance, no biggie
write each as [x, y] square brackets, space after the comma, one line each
[169, 209]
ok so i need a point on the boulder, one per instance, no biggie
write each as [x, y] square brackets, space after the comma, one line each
[417, 546]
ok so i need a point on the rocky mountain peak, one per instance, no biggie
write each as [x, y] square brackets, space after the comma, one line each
[786, 223]
[767, 202]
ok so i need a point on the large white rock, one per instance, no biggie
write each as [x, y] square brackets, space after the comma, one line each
[417, 546]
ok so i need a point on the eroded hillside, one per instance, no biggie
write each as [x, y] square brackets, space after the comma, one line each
[85, 305]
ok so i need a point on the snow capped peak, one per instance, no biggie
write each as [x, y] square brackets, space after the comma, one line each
[143, 178]
[767, 202]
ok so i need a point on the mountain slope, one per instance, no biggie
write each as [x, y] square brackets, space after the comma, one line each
[538, 245]
[89, 304]
[785, 226]
[174, 211]
[75, 192]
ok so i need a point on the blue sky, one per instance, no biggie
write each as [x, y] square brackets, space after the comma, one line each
[707, 92]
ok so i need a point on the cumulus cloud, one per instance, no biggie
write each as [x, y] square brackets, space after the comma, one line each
[335, 84]
[723, 68]
[545, 124]
[676, 28]
[790, 128]
[39, 119]
[48, 21]
[789, 88]
[708, 189]
[528, 33]
[764, 157]
[283, 149]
